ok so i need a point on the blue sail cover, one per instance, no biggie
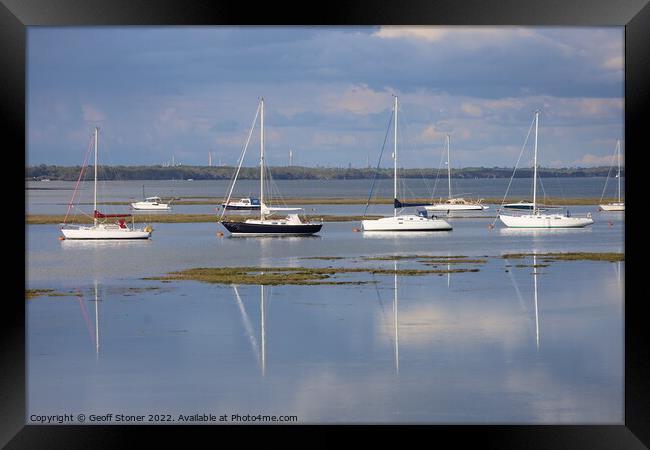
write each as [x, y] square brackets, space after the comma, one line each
[397, 204]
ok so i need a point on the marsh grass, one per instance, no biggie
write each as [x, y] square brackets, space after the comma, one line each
[429, 260]
[289, 275]
[31, 293]
[569, 256]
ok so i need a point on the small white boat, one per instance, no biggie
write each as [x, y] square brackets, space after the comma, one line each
[102, 229]
[404, 222]
[536, 219]
[454, 204]
[246, 203]
[151, 204]
[612, 207]
[618, 205]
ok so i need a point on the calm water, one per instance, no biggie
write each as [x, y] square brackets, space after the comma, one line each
[52, 197]
[460, 348]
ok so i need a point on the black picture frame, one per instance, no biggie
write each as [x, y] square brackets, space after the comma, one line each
[16, 15]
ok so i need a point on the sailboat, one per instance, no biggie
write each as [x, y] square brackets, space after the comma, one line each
[101, 228]
[404, 222]
[151, 204]
[619, 205]
[292, 225]
[246, 203]
[536, 219]
[454, 204]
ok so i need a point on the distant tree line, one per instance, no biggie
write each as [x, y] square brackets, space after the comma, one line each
[71, 173]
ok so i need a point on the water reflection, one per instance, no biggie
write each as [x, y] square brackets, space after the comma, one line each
[403, 234]
[542, 232]
[70, 244]
[268, 237]
[535, 296]
[395, 322]
[93, 331]
[260, 355]
[536, 305]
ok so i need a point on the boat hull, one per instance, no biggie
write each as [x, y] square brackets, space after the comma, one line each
[150, 208]
[242, 208]
[613, 207]
[268, 229]
[544, 221]
[520, 206]
[445, 207]
[406, 223]
[104, 234]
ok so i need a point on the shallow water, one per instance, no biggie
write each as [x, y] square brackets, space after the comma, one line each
[53, 197]
[454, 348]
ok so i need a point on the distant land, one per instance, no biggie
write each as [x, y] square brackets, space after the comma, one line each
[71, 173]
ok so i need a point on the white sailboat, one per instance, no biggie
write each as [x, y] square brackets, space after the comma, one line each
[536, 219]
[454, 204]
[404, 222]
[292, 225]
[151, 204]
[618, 205]
[101, 229]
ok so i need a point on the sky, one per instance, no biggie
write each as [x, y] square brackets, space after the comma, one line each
[181, 92]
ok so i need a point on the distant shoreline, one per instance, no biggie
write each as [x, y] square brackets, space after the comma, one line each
[122, 173]
[298, 201]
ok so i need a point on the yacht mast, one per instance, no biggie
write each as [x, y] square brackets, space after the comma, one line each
[395, 158]
[262, 159]
[618, 174]
[535, 164]
[95, 200]
[448, 168]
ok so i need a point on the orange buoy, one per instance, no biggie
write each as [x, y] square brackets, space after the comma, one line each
[61, 238]
[355, 229]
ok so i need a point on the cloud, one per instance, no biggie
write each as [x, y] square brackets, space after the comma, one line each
[471, 109]
[333, 140]
[358, 99]
[593, 160]
[615, 63]
[191, 88]
[92, 114]
[430, 34]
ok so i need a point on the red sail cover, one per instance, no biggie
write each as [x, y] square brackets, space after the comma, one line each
[99, 215]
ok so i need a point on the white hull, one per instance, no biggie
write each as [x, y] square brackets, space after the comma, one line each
[104, 232]
[613, 207]
[145, 207]
[448, 207]
[407, 222]
[545, 221]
